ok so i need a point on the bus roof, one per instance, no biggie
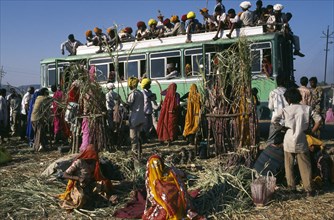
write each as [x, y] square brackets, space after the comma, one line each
[84, 52]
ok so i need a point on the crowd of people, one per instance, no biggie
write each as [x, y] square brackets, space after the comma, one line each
[294, 135]
[271, 17]
[296, 121]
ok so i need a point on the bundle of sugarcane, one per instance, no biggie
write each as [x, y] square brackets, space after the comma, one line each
[229, 94]
[80, 84]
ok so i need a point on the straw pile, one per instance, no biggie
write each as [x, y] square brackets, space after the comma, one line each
[225, 190]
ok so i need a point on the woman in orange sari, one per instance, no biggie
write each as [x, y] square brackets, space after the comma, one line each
[191, 124]
[167, 196]
[82, 176]
[167, 128]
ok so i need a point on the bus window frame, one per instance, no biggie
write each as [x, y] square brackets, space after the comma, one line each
[121, 60]
[160, 55]
[261, 49]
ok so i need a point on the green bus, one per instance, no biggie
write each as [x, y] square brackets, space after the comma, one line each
[151, 57]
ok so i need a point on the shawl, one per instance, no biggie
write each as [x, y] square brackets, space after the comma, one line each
[193, 111]
[167, 123]
[165, 191]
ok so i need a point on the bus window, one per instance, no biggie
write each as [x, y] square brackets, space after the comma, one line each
[258, 52]
[121, 71]
[196, 63]
[160, 62]
[142, 67]
[132, 69]
[52, 78]
[101, 72]
[158, 68]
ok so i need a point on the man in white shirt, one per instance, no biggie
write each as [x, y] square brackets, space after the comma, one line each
[171, 71]
[71, 45]
[246, 16]
[296, 120]
[275, 104]
[135, 102]
[24, 111]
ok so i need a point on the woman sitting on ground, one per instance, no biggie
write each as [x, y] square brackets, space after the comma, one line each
[167, 196]
[82, 176]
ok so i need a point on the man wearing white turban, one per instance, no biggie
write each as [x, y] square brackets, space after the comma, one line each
[246, 16]
[275, 21]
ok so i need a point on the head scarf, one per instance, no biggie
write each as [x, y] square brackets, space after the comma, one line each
[89, 154]
[133, 82]
[165, 189]
[191, 15]
[245, 5]
[278, 7]
[204, 10]
[110, 86]
[174, 18]
[89, 33]
[193, 111]
[128, 30]
[152, 22]
[166, 21]
[144, 82]
[109, 30]
[97, 30]
[140, 24]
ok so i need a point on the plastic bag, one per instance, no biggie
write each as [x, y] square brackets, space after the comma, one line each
[263, 188]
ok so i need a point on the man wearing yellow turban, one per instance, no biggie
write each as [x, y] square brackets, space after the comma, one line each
[149, 97]
[177, 29]
[135, 101]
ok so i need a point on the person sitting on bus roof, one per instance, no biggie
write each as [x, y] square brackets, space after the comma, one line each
[178, 27]
[190, 25]
[232, 21]
[160, 22]
[126, 34]
[154, 32]
[184, 20]
[289, 34]
[171, 71]
[269, 11]
[210, 23]
[101, 38]
[142, 31]
[71, 45]
[258, 13]
[90, 38]
[219, 6]
[221, 18]
[113, 37]
[168, 26]
[275, 21]
[246, 16]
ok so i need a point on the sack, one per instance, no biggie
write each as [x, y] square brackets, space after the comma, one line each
[263, 188]
[329, 116]
[71, 112]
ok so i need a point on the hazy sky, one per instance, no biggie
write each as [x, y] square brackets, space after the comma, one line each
[33, 30]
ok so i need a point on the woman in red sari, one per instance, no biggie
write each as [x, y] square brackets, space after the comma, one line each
[167, 196]
[167, 128]
[82, 176]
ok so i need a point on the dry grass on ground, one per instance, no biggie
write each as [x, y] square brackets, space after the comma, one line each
[225, 192]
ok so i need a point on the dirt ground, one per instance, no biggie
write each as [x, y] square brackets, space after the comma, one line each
[24, 194]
